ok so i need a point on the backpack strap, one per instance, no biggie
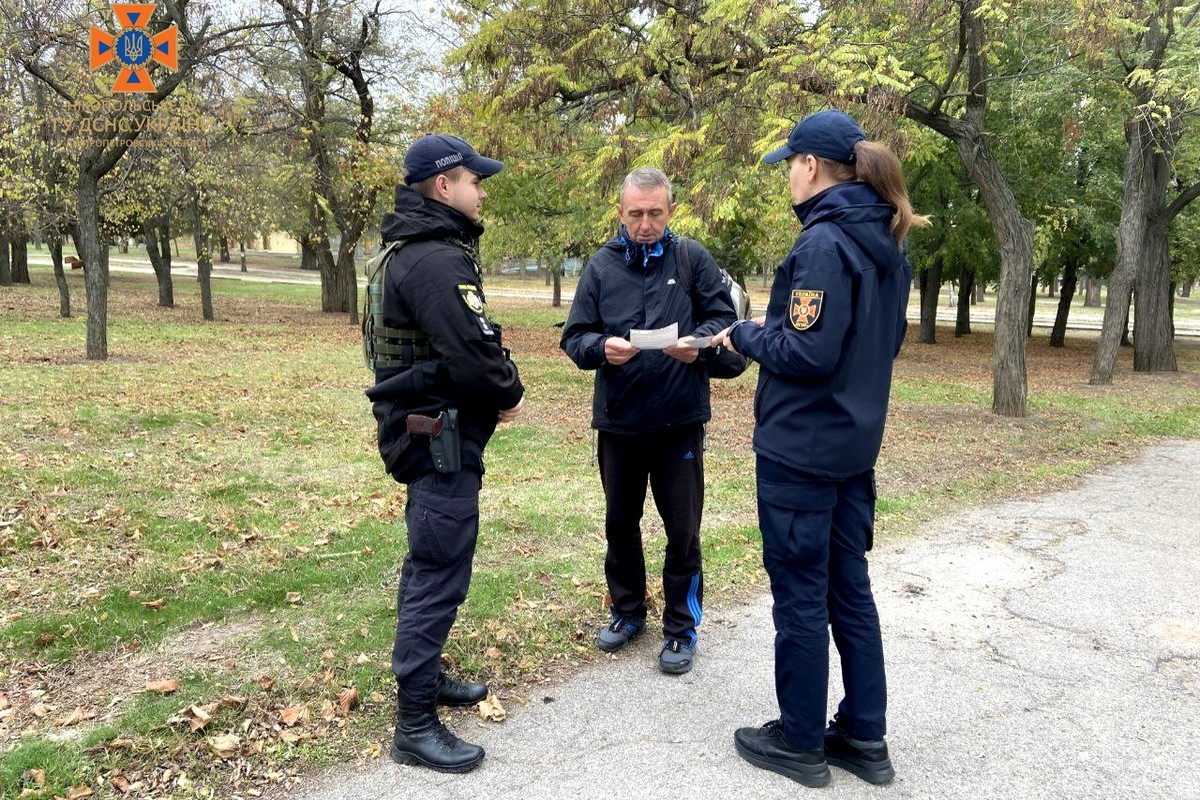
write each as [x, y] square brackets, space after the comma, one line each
[683, 257]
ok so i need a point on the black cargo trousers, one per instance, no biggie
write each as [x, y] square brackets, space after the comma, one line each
[672, 462]
[442, 514]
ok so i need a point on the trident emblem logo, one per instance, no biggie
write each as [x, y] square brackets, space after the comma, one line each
[134, 48]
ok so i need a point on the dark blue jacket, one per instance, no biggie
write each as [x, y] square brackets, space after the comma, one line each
[835, 323]
[652, 391]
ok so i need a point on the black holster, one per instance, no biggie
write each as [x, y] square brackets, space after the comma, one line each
[446, 447]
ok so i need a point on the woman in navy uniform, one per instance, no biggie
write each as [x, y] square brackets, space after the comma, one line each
[834, 324]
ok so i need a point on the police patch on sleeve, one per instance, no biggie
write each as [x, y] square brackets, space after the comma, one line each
[805, 308]
[470, 295]
[474, 301]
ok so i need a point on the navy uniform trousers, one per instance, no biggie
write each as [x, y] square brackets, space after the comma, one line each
[442, 514]
[815, 537]
[673, 463]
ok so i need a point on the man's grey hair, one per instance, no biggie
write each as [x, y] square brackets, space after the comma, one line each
[646, 178]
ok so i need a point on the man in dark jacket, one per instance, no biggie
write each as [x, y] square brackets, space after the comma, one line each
[443, 382]
[649, 406]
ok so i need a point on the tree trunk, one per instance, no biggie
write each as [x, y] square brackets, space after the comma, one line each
[95, 258]
[6, 273]
[122, 245]
[266, 242]
[54, 242]
[978, 294]
[1058, 336]
[242, 253]
[160, 264]
[966, 286]
[1146, 173]
[1153, 346]
[1091, 296]
[20, 255]
[1014, 236]
[1032, 306]
[225, 257]
[556, 294]
[308, 256]
[1186, 291]
[201, 237]
[346, 278]
[931, 286]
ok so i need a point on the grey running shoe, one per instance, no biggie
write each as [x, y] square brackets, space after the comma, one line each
[616, 634]
[676, 657]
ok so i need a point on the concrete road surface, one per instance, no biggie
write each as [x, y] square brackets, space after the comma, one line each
[1045, 648]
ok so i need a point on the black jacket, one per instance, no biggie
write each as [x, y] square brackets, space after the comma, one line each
[652, 391]
[433, 285]
[835, 323]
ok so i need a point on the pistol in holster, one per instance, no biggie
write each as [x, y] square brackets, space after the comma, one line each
[444, 441]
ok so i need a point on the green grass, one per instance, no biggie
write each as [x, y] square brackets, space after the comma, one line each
[229, 470]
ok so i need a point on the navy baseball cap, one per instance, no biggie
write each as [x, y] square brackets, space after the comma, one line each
[438, 152]
[829, 134]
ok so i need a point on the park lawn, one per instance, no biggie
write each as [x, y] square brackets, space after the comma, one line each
[207, 507]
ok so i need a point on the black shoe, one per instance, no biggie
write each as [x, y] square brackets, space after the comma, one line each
[868, 759]
[458, 694]
[421, 739]
[765, 747]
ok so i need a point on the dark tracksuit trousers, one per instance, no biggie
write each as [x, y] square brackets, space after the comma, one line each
[442, 514]
[815, 537]
[672, 461]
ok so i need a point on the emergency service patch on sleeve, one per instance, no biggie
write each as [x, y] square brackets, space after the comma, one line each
[805, 308]
[470, 295]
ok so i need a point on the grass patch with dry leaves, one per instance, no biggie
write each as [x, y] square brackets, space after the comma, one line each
[199, 549]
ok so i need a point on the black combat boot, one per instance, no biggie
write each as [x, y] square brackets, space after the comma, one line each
[422, 739]
[458, 694]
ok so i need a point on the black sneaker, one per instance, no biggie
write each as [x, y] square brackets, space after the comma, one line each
[618, 633]
[868, 759]
[765, 747]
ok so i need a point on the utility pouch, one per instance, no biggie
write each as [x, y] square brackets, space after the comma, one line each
[445, 446]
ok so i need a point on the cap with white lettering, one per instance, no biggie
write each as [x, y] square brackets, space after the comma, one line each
[438, 152]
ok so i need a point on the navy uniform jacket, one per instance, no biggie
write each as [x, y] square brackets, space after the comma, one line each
[652, 391]
[432, 285]
[835, 323]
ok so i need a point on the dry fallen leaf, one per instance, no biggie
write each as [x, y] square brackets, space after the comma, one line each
[120, 783]
[78, 792]
[38, 776]
[3, 700]
[195, 716]
[361, 659]
[291, 737]
[163, 687]
[347, 700]
[293, 597]
[39, 710]
[493, 653]
[225, 746]
[80, 714]
[266, 682]
[290, 716]
[491, 710]
[155, 605]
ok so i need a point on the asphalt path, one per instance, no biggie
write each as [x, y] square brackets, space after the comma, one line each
[1038, 648]
[1079, 320]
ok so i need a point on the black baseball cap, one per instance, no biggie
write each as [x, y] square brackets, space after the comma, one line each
[829, 134]
[438, 152]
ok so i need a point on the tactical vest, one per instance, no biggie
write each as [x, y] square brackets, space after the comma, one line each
[385, 347]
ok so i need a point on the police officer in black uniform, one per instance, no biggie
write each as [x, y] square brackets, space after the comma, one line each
[443, 382]
[833, 327]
